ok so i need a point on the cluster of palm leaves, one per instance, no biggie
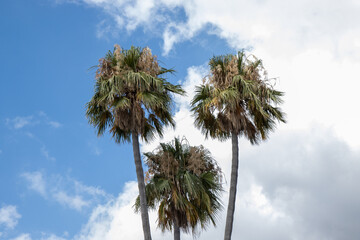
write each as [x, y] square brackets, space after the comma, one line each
[132, 98]
[185, 182]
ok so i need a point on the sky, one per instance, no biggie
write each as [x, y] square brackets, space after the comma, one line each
[59, 181]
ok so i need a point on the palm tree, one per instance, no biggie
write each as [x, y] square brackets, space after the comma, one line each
[237, 100]
[185, 182]
[131, 99]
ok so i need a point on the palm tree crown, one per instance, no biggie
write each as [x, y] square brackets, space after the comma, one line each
[237, 98]
[130, 95]
[185, 182]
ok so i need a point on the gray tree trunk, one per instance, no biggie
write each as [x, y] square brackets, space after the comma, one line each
[233, 184]
[141, 186]
[176, 230]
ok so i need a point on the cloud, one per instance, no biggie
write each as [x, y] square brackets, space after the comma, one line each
[46, 154]
[95, 149]
[48, 121]
[54, 124]
[24, 236]
[116, 219]
[9, 216]
[52, 237]
[90, 190]
[75, 202]
[313, 181]
[35, 182]
[272, 22]
[19, 122]
[66, 191]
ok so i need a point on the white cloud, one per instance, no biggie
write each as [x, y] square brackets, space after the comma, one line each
[52, 237]
[66, 191]
[24, 236]
[46, 154]
[45, 118]
[75, 202]
[54, 124]
[95, 149]
[9, 216]
[19, 122]
[93, 191]
[35, 182]
[301, 24]
[116, 219]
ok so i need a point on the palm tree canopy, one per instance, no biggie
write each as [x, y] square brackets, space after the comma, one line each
[185, 182]
[131, 95]
[237, 98]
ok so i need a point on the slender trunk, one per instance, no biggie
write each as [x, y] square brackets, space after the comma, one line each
[233, 184]
[141, 186]
[176, 229]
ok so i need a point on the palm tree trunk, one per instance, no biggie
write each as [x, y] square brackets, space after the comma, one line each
[233, 184]
[176, 230]
[141, 186]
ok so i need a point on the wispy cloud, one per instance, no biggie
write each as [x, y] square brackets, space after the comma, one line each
[20, 122]
[75, 202]
[54, 124]
[45, 236]
[24, 236]
[66, 191]
[90, 190]
[301, 23]
[9, 216]
[95, 149]
[35, 182]
[46, 154]
[52, 237]
[48, 121]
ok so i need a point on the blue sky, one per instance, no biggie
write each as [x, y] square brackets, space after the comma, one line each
[58, 180]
